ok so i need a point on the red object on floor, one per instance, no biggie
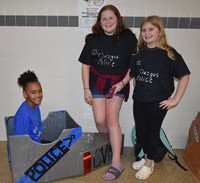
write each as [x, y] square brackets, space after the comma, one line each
[87, 162]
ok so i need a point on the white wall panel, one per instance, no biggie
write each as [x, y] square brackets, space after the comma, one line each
[52, 52]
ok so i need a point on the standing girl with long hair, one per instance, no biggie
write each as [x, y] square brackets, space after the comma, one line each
[105, 62]
[154, 68]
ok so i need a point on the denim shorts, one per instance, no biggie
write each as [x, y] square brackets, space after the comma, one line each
[98, 94]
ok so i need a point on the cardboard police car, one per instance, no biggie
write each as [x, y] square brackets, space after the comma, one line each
[68, 153]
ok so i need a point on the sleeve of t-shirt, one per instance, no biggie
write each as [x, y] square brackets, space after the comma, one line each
[40, 124]
[134, 44]
[179, 67]
[132, 66]
[131, 42]
[85, 56]
[21, 125]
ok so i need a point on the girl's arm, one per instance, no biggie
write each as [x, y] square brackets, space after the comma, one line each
[123, 82]
[172, 102]
[86, 85]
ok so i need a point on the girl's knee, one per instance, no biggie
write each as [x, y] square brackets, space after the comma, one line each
[102, 127]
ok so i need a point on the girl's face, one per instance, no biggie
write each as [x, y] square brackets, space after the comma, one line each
[150, 35]
[108, 22]
[33, 94]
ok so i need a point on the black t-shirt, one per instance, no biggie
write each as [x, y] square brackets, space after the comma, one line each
[108, 54]
[154, 73]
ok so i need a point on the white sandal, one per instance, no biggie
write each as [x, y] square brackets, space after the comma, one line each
[144, 172]
[137, 165]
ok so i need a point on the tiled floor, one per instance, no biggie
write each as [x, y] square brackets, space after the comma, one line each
[167, 171]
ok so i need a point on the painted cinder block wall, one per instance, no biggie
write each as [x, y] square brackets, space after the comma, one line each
[44, 36]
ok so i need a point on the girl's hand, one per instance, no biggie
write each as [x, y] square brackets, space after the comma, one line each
[168, 104]
[88, 96]
[118, 86]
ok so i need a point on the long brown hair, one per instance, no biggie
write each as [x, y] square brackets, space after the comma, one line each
[162, 40]
[96, 28]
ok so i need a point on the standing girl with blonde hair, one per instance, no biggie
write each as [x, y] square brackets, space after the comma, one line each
[154, 68]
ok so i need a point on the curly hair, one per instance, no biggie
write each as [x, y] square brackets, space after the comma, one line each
[27, 77]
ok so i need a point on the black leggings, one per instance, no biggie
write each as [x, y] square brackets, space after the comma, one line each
[148, 120]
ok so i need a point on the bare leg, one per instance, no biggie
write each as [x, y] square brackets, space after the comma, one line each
[113, 107]
[106, 114]
[99, 112]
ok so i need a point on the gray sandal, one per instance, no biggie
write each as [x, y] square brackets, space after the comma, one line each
[113, 171]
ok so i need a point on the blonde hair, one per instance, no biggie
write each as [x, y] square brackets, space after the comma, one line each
[162, 40]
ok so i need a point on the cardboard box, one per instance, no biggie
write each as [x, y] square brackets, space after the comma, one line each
[192, 149]
[69, 153]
